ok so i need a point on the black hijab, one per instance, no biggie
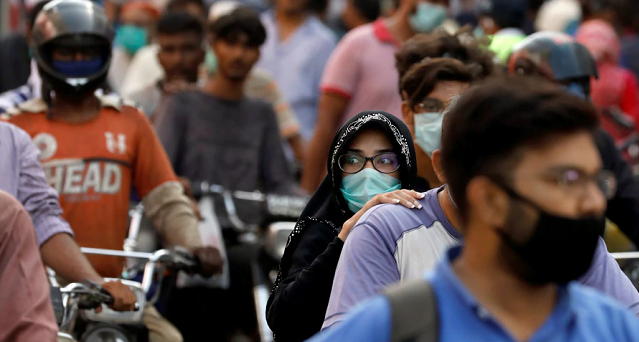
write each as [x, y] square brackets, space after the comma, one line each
[328, 206]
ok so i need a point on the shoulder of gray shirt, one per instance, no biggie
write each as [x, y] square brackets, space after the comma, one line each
[392, 221]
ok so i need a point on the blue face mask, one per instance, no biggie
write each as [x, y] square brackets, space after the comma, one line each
[361, 187]
[428, 131]
[210, 61]
[131, 38]
[427, 17]
[78, 68]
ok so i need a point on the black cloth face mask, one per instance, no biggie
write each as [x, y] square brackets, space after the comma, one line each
[560, 249]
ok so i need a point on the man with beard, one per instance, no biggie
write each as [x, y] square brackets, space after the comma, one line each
[180, 53]
[211, 132]
[531, 193]
[246, 136]
[220, 136]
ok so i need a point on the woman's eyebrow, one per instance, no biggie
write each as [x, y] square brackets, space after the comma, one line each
[353, 150]
[384, 150]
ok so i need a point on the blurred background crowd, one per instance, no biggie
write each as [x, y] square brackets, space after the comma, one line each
[314, 64]
[308, 66]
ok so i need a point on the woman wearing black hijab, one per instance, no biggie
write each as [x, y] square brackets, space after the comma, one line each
[372, 157]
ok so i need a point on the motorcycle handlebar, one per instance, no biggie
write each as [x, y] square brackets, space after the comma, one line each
[178, 259]
[277, 206]
[89, 295]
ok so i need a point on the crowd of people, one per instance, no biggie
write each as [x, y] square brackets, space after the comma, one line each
[461, 158]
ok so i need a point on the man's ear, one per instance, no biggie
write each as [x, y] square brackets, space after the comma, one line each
[408, 116]
[487, 202]
[437, 159]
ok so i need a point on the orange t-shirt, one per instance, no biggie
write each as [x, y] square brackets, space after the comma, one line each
[93, 166]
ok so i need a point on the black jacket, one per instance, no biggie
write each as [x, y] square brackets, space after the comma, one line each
[15, 62]
[298, 303]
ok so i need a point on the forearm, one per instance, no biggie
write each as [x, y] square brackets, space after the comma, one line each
[170, 211]
[315, 159]
[330, 113]
[63, 255]
[298, 146]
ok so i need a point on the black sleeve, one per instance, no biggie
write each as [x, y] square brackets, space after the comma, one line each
[296, 310]
[623, 209]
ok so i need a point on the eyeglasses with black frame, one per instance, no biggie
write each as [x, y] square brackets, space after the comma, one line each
[352, 162]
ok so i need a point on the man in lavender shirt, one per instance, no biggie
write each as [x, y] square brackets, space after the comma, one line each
[22, 176]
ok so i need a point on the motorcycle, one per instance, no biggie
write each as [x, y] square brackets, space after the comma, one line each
[273, 219]
[74, 303]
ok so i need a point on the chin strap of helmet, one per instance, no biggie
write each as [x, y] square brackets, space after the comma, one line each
[47, 98]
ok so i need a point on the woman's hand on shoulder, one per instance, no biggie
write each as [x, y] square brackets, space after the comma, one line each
[407, 198]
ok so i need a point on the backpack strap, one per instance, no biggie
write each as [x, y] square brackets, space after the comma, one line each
[414, 312]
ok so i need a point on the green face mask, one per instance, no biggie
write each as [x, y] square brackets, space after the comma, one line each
[131, 38]
[210, 61]
[361, 187]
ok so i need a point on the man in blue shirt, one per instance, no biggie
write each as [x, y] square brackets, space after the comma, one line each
[531, 193]
[297, 47]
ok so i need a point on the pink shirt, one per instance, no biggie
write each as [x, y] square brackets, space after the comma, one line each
[26, 311]
[362, 69]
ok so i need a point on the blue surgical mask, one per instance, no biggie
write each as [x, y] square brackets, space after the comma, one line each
[428, 131]
[361, 187]
[78, 68]
[131, 38]
[210, 61]
[427, 17]
[479, 32]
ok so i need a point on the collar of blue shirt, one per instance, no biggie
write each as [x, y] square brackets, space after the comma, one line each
[457, 304]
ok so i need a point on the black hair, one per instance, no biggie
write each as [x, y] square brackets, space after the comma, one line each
[461, 46]
[318, 7]
[509, 19]
[485, 131]
[37, 8]
[177, 5]
[369, 9]
[591, 8]
[241, 20]
[179, 22]
[422, 78]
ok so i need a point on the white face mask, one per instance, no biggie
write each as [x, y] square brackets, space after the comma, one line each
[428, 131]
[428, 128]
